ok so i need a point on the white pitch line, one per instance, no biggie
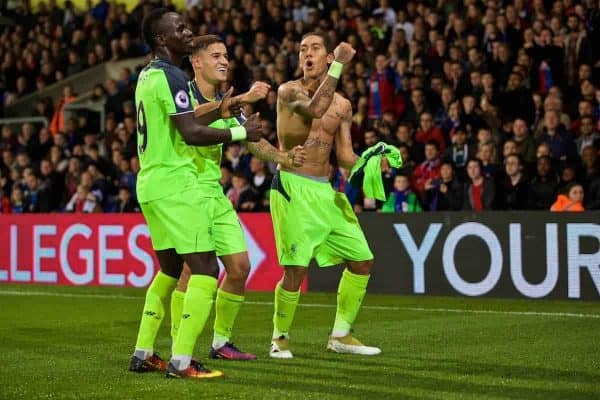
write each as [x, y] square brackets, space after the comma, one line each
[320, 305]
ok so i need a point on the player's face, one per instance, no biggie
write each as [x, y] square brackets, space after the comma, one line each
[313, 57]
[175, 34]
[212, 63]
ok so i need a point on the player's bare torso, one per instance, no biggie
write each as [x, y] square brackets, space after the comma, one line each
[316, 135]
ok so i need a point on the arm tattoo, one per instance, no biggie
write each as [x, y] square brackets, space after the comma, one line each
[346, 156]
[316, 106]
[266, 151]
[323, 97]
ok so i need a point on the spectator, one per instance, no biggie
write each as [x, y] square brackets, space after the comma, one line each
[384, 83]
[480, 191]
[83, 201]
[404, 136]
[524, 141]
[589, 136]
[126, 203]
[460, 151]
[68, 96]
[445, 193]
[401, 199]
[428, 170]
[487, 155]
[513, 192]
[242, 195]
[567, 176]
[572, 200]
[562, 147]
[590, 165]
[260, 180]
[428, 132]
[37, 199]
[543, 187]
[53, 183]
[17, 201]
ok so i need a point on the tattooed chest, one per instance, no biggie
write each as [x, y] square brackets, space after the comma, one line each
[329, 123]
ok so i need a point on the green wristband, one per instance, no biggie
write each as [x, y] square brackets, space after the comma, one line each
[237, 133]
[335, 69]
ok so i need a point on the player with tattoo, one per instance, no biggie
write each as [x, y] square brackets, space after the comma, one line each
[310, 219]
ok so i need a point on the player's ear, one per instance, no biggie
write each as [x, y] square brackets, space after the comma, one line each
[194, 60]
[159, 39]
[330, 58]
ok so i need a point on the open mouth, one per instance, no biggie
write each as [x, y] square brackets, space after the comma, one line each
[222, 69]
[308, 64]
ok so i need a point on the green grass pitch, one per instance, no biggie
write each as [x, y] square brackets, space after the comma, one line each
[74, 343]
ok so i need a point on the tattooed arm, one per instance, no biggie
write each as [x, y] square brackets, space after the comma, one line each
[267, 152]
[294, 97]
[344, 151]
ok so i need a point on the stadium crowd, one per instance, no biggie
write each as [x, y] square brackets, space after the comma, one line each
[493, 104]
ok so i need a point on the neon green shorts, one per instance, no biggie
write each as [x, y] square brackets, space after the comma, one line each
[191, 223]
[311, 220]
[227, 229]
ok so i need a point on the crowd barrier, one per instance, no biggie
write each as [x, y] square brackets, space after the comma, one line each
[498, 254]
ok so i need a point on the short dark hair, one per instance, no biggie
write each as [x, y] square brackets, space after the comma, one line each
[240, 174]
[433, 143]
[448, 162]
[203, 41]
[477, 161]
[514, 155]
[150, 26]
[326, 40]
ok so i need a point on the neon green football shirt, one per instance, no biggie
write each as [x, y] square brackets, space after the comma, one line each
[208, 158]
[166, 163]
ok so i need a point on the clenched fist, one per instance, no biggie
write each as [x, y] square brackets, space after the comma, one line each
[257, 92]
[295, 157]
[343, 53]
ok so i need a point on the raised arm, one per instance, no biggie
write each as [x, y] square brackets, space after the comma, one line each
[296, 100]
[344, 151]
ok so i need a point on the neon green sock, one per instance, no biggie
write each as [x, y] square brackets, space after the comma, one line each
[226, 310]
[154, 310]
[285, 308]
[176, 310]
[351, 290]
[197, 304]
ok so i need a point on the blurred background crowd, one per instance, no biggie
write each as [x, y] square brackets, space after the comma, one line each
[493, 104]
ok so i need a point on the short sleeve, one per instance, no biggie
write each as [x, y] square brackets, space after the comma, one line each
[173, 91]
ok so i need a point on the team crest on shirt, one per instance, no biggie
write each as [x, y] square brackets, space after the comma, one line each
[182, 99]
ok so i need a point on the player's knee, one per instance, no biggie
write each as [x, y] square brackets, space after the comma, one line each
[292, 278]
[239, 271]
[361, 267]
[183, 279]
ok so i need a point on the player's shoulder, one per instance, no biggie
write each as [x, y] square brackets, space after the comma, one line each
[158, 68]
[289, 87]
[342, 102]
